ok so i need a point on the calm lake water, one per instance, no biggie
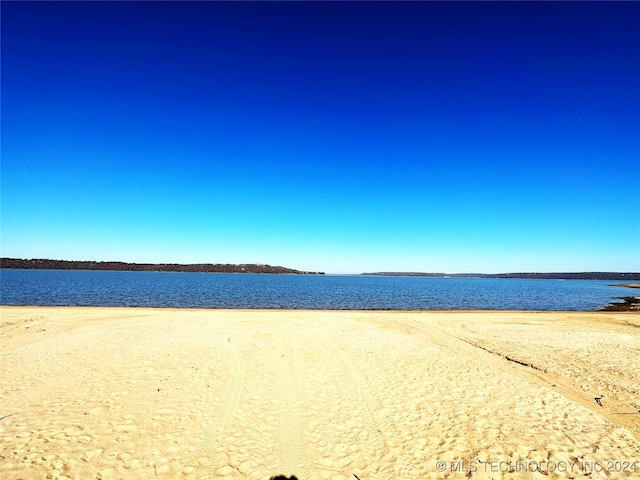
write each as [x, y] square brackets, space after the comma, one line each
[219, 290]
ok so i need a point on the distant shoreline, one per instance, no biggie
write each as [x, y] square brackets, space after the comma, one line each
[46, 264]
[633, 276]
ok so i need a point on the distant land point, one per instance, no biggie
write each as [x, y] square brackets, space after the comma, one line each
[46, 264]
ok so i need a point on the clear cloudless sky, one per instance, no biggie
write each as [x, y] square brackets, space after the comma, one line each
[341, 137]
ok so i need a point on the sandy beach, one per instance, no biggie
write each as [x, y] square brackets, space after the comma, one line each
[117, 393]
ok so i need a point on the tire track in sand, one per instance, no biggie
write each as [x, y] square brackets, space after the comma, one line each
[364, 447]
[380, 424]
[204, 458]
[289, 372]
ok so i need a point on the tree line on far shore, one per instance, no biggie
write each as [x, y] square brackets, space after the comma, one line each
[47, 264]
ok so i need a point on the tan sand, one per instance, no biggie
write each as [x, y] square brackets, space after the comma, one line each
[193, 394]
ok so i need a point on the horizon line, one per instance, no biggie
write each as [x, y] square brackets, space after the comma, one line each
[376, 273]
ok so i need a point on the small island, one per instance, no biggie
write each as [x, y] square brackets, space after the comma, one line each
[46, 264]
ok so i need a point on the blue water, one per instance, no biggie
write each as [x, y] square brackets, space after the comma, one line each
[213, 290]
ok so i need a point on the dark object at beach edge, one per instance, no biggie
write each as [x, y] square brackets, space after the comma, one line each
[628, 304]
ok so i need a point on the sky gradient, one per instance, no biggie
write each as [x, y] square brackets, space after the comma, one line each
[341, 137]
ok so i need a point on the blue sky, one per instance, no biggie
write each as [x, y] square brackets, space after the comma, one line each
[342, 137]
